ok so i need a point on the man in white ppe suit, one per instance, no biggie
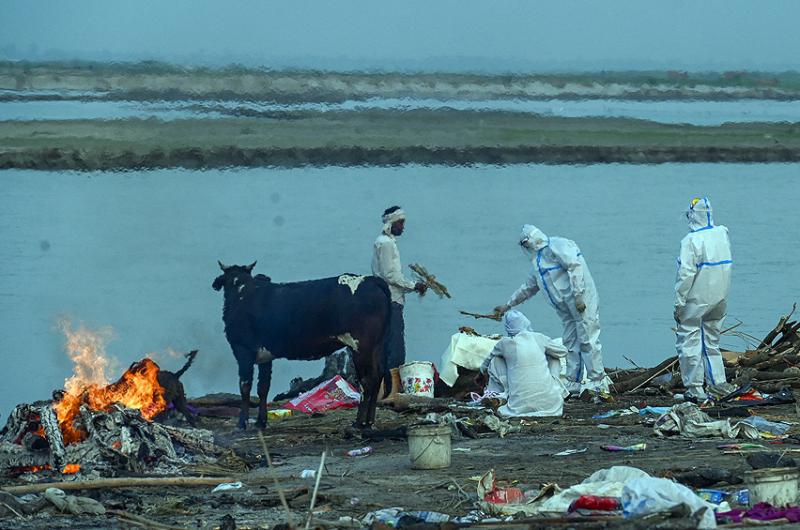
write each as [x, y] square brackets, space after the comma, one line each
[701, 293]
[559, 269]
[518, 370]
[386, 265]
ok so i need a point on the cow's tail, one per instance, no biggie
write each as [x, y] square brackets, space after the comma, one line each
[387, 374]
[190, 359]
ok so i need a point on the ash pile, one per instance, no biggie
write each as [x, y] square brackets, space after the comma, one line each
[102, 431]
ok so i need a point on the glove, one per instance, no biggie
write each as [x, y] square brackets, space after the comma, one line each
[501, 309]
[421, 288]
[580, 305]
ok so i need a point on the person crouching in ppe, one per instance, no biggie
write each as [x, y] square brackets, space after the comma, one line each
[560, 267]
[518, 370]
[386, 265]
[701, 294]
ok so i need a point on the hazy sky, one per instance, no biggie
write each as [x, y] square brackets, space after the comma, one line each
[413, 34]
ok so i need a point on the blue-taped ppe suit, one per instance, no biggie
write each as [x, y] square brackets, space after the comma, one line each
[561, 271]
[701, 293]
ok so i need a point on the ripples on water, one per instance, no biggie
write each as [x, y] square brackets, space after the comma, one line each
[138, 250]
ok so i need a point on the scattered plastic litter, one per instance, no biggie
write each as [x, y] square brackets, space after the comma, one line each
[626, 449]
[328, 395]
[615, 413]
[771, 427]
[461, 449]
[227, 486]
[646, 495]
[308, 473]
[712, 496]
[278, 414]
[364, 451]
[653, 410]
[595, 503]
[568, 452]
[741, 446]
[761, 512]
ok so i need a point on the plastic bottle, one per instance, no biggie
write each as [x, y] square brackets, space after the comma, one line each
[429, 517]
[364, 451]
[595, 503]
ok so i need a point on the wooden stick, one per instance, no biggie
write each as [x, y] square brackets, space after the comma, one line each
[637, 382]
[138, 519]
[316, 487]
[492, 316]
[289, 520]
[125, 482]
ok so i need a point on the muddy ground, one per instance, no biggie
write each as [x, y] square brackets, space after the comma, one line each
[355, 486]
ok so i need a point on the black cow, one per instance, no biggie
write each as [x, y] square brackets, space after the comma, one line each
[304, 321]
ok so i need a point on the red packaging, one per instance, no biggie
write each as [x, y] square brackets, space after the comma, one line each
[328, 395]
[504, 496]
[595, 503]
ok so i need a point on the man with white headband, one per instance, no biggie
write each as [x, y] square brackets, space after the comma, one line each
[518, 370]
[701, 299]
[386, 265]
[559, 269]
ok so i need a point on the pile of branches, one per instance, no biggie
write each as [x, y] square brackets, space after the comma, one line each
[117, 440]
[776, 361]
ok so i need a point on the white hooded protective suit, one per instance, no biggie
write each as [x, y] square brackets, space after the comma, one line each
[518, 369]
[559, 269]
[701, 293]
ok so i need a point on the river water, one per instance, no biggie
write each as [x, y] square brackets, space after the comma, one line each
[137, 251]
[695, 112]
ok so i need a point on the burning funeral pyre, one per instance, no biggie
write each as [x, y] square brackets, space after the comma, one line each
[98, 428]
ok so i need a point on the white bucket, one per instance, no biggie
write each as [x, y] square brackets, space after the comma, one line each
[417, 378]
[777, 486]
[429, 446]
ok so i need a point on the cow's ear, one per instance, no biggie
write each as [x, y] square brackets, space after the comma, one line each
[251, 266]
[222, 266]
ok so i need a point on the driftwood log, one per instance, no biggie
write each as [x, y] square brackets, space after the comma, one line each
[125, 482]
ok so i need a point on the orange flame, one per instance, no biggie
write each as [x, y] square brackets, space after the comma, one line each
[71, 469]
[138, 387]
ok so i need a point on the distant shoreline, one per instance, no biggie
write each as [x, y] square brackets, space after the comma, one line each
[158, 81]
[384, 138]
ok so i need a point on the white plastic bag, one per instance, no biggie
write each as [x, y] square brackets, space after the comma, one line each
[645, 495]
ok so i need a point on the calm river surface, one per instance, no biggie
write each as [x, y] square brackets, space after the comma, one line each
[137, 251]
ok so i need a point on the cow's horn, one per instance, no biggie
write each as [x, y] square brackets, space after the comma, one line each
[252, 266]
[222, 266]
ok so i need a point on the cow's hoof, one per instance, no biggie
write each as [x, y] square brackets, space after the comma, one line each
[243, 421]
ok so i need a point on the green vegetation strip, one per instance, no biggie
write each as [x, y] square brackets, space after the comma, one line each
[384, 137]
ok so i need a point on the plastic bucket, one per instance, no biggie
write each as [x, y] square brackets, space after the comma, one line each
[429, 446]
[778, 486]
[417, 378]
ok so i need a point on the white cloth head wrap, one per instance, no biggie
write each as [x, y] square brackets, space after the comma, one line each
[515, 322]
[390, 218]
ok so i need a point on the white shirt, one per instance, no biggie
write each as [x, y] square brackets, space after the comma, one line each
[386, 265]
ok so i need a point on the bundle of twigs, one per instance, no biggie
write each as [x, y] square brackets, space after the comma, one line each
[430, 280]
